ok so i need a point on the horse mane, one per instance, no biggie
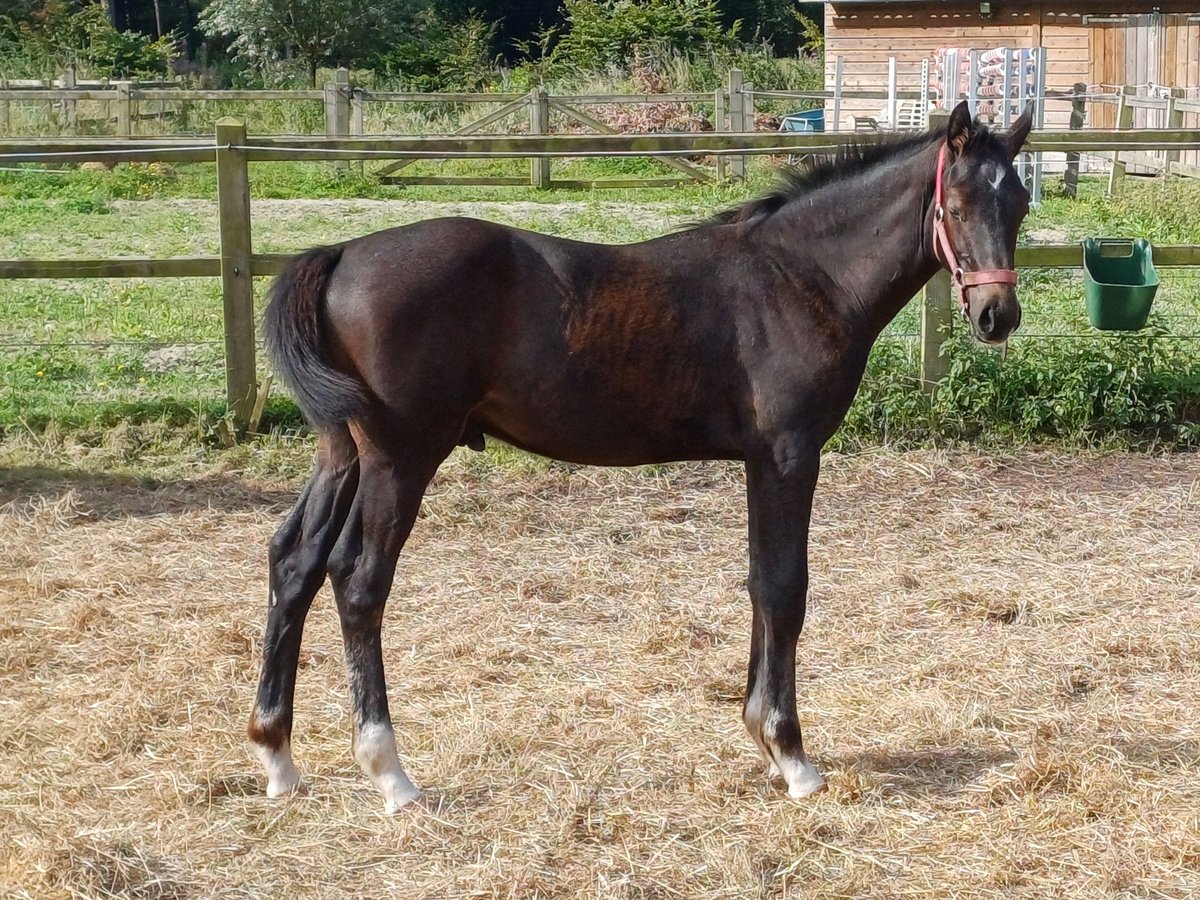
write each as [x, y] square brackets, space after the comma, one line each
[851, 159]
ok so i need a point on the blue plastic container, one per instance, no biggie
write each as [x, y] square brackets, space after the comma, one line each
[811, 120]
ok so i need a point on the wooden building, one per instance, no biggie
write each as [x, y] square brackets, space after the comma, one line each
[1115, 43]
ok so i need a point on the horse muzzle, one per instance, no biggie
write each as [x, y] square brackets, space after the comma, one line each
[994, 312]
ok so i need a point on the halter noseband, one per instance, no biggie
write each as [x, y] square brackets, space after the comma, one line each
[944, 252]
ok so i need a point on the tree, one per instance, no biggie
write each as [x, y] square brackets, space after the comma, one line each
[317, 32]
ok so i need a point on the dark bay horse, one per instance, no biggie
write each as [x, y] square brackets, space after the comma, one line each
[742, 338]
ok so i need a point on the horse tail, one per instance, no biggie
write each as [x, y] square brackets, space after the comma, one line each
[294, 328]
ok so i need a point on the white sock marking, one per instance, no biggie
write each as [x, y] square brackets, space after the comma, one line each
[375, 750]
[801, 776]
[283, 777]
[802, 779]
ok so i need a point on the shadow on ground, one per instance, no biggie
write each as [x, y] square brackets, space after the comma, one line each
[926, 773]
[110, 496]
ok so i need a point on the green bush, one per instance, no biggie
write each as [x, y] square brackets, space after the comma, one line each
[40, 39]
[437, 54]
[602, 35]
[109, 53]
[1139, 389]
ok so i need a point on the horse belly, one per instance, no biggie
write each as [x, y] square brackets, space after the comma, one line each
[568, 419]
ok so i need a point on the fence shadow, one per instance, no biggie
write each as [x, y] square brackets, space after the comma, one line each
[113, 496]
[925, 773]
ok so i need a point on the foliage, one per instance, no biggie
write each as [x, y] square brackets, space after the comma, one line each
[603, 34]
[313, 31]
[434, 53]
[40, 38]
[812, 34]
[1133, 389]
[109, 53]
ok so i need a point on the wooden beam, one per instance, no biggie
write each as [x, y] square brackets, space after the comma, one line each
[587, 184]
[303, 147]
[494, 180]
[583, 118]
[470, 128]
[307, 147]
[129, 267]
[249, 96]
[539, 124]
[1078, 111]
[237, 285]
[1116, 174]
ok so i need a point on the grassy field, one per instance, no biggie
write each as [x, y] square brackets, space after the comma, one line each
[95, 352]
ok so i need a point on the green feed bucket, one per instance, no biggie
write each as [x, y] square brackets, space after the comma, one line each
[1119, 282]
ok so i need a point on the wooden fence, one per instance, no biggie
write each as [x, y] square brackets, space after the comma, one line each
[734, 108]
[237, 265]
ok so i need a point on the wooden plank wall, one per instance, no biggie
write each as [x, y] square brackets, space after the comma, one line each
[1181, 52]
[1066, 41]
[866, 35]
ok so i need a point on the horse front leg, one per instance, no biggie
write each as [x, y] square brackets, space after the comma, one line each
[780, 487]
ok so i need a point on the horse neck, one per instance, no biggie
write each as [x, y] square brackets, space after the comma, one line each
[873, 235]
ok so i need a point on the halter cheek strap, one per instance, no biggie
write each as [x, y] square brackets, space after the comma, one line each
[944, 252]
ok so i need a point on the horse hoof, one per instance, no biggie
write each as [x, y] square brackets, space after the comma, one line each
[283, 778]
[283, 783]
[396, 797]
[802, 778]
[806, 787]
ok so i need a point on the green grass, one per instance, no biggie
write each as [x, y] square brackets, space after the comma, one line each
[81, 354]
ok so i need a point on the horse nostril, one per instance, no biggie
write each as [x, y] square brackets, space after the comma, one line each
[987, 320]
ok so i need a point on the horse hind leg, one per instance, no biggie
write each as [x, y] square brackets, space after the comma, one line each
[297, 565]
[362, 567]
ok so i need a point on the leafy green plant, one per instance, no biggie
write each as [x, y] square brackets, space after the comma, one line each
[109, 53]
[435, 53]
[600, 35]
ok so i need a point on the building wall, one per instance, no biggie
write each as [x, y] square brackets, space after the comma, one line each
[865, 35]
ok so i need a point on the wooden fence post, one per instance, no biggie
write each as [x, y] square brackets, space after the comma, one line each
[1124, 120]
[337, 111]
[357, 121]
[1078, 113]
[838, 71]
[237, 287]
[539, 123]
[720, 124]
[937, 309]
[737, 118]
[70, 107]
[124, 118]
[1174, 120]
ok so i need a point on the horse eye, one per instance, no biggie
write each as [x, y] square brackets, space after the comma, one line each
[958, 214]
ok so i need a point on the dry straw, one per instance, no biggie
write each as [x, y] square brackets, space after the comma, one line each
[999, 675]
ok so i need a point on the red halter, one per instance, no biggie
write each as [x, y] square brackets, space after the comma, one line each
[944, 252]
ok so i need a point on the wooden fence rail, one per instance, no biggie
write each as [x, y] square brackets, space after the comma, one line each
[236, 265]
[526, 146]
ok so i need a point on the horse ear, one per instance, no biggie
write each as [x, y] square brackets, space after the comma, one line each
[960, 129]
[1020, 131]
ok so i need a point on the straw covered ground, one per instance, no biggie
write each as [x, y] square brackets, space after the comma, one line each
[999, 675]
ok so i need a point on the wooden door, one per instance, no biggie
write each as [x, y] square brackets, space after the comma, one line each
[1125, 49]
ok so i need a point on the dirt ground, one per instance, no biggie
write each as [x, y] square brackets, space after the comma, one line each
[999, 675]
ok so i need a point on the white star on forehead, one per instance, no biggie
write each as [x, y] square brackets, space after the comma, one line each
[997, 175]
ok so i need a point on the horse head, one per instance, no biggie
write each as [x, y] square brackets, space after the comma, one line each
[979, 203]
